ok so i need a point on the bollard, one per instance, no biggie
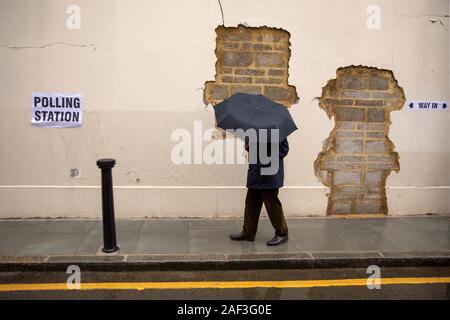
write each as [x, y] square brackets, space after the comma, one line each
[109, 225]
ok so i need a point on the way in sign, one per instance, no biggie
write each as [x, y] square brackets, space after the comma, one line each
[428, 105]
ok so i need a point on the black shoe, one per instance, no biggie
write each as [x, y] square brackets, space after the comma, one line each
[241, 237]
[277, 240]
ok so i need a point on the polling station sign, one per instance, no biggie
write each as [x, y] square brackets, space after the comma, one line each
[427, 105]
[57, 110]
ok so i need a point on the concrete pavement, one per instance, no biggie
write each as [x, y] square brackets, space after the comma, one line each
[166, 244]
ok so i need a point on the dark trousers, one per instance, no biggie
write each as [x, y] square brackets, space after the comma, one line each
[253, 205]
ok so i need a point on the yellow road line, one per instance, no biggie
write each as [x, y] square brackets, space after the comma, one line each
[219, 284]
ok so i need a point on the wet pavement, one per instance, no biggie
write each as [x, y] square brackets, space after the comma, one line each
[55, 237]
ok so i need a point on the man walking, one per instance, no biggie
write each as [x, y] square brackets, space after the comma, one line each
[263, 189]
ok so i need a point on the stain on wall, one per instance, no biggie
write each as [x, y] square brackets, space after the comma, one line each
[251, 60]
[358, 156]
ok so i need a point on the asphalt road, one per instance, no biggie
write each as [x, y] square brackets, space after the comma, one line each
[396, 283]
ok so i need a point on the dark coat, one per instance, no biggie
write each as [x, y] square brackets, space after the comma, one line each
[255, 180]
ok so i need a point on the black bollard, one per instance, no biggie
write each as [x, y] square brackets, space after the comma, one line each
[109, 225]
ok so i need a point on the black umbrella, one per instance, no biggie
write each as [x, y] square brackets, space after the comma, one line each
[249, 111]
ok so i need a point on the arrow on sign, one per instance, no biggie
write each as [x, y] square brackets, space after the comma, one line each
[411, 105]
[444, 106]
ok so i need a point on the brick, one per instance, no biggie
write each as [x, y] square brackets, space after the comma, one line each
[385, 166]
[347, 178]
[269, 60]
[228, 79]
[337, 166]
[238, 35]
[269, 80]
[377, 190]
[349, 134]
[378, 83]
[383, 95]
[350, 114]
[349, 189]
[363, 207]
[216, 92]
[256, 47]
[343, 196]
[338, 102]
[346, 126]
[351, 159]
[231, 45]
[249, 72]
[373, 196]
[356, 94]
[375, 134]
[375, 147]
[369, 103]
[280, 47]
[227, 70]
[272, 37]
[376, 115]
[350, 146]
[380, 159]
[275, 72]
[395, 103]
[330, 158]
[238, 59]
[352, 82]
[280, 93]
[341, 207]
[330, 90]
[371, 126]
[246, 89]
[374, 178]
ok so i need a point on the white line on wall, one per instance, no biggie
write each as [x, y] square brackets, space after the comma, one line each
[192, 187]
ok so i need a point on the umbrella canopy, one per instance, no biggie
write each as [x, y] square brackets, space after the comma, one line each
[249, 111]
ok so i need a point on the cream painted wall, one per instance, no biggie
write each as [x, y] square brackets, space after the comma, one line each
[141, 65]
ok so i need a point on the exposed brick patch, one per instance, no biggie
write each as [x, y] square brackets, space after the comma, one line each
[269, 80]
[358, 155]
[250, 72]
[350, 114]
[227, 79]
[349, 146]
[349, 134]
[217, 92]
[276, 72]
[375, 134]
[244, 89]
[269, 60]
[280, 93]
[251, 60]
[237, 59]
